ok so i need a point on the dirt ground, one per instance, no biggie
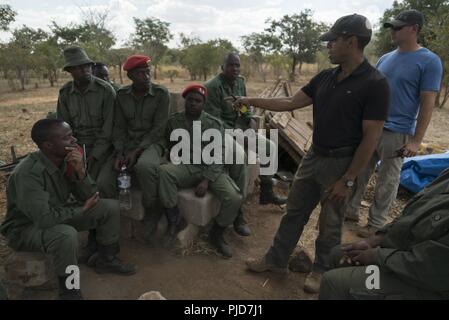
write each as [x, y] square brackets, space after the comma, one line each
[199, 274]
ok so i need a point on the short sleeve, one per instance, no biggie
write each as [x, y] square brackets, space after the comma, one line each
[432, 75]
[310, 88]
[377, 101]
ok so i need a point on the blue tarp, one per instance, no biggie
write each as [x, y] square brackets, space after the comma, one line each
[419, 172]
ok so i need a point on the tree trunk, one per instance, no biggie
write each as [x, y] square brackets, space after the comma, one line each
[292, 74]
[22, 79]
[120, 73]
[446, 96]
[300, 67]
[155, 72]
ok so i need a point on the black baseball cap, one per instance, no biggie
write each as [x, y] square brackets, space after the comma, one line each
[351, 25]
[406, 18]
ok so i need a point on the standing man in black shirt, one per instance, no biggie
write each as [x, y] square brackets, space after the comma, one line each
[350, 105]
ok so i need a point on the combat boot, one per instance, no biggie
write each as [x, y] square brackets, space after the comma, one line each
[108, 262]
[267, 195]
[216, 238]
[173, 219]
[240, 225]
[90, 249]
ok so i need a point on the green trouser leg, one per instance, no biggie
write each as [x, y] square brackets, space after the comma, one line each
[95, 169]
[227, 191]
[268, 151]
[107, 180]
[146, 171]
[237, 171]
[349, 283]
[174, 177]
[61, 241]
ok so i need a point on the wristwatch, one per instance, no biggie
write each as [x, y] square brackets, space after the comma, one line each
[348, 182]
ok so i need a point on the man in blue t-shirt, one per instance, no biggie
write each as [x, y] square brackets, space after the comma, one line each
[414, 74]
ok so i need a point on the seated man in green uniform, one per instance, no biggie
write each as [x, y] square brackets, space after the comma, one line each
[412, 254]
[202, 176]
[227, 84]
[42, 215]
[141, 116]
[100, 70]
[87, 105]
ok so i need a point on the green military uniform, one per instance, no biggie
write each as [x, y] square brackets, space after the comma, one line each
[42, 215]
[173, 177]
[141, 122]
[115, 86]
[91, 116]
[219, 89]
[413, 256]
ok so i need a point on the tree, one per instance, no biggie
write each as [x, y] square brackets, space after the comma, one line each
[20, 54]
[7, 15]
[205, 58]
[93, 37]
[117, 57]
[48, 59]
[258, 46]
[298, 36]
[151, 36]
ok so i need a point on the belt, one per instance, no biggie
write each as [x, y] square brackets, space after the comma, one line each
[334, 153]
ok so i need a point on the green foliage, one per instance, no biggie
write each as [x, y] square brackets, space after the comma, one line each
[204, 59]
[298, 38]
[150, 37]
[258, 46]
[7, 15]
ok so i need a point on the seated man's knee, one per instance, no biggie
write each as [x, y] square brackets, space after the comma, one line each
[63, 235]
[327, 285]
[147, 168]
[107, 207]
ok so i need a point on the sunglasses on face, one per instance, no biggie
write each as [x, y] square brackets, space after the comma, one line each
[401, 27]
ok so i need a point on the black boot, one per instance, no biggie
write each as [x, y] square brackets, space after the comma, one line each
[217, 240]
[90, 249]
[173, 219]
[267, 195]
[151, 222]
[68, 294]
[108, 262]
[240, 225]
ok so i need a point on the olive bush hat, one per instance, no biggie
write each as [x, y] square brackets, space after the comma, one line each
[75, 56]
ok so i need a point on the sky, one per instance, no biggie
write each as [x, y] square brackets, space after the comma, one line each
[206, 19]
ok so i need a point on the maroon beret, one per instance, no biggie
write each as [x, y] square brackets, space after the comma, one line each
[136, 61]
[195, 87]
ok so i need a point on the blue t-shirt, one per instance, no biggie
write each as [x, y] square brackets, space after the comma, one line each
[408, 74]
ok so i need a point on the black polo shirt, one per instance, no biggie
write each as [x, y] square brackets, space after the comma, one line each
[340, 108]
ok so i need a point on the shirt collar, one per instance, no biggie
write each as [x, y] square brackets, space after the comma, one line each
[129, 90]
[362, 68]
[50, 166]
[90, 87]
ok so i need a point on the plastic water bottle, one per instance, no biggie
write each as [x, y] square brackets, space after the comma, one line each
[124, 186]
